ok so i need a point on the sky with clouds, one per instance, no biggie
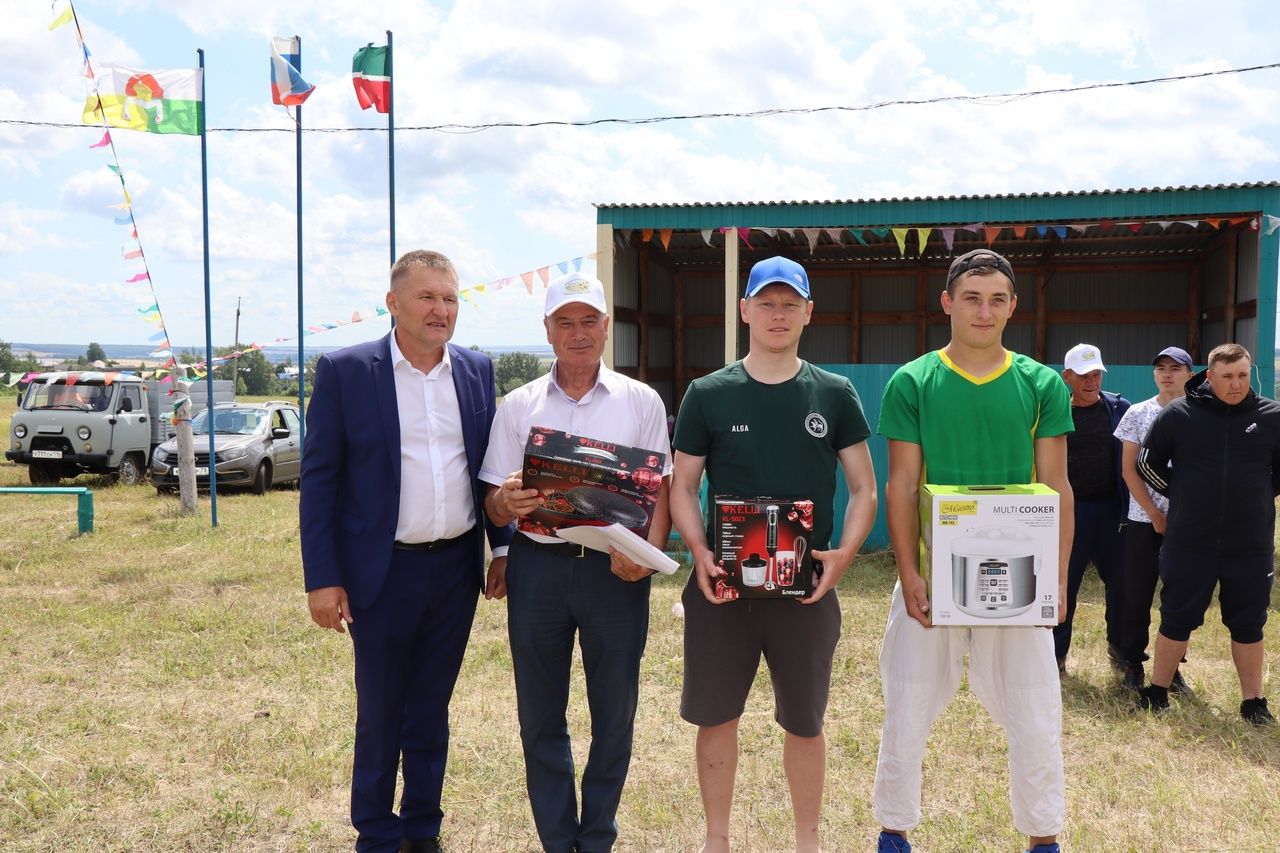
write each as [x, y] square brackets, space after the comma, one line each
[504, 201]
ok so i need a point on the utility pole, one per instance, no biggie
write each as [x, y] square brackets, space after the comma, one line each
[235, 362]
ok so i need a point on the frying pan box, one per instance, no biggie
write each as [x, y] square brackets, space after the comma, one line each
[587, 481]
[989, 554]
[765, 546]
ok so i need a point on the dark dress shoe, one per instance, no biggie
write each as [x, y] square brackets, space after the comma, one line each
[421, 845]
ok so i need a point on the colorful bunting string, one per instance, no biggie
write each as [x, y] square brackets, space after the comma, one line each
[989, 233]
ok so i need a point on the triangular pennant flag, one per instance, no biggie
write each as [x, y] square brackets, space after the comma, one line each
[133, 253]
[857, 235]
[382, 312]
[1238, 220]
[790, 232]
[64, 18]
[113, 167]
[142, 276]
[1163, 223]
[1019, 231]
[593, 256]
[665, 235]
[103, 142]
[975, 227]
[124, 220]
[154, 306]
[1134, 227]
[922, 238]
[1042, 230]
[771, 232]
[948, 238]
[1273, 222]
[992, 232]
[544, 273]
[480, 288]
[1079, 227]
[563, 266]
[527, 278]
[1061, 231]
[811, 234]
[577, 264]
[900, 234]
[706, 235]
[646, 234]
[1194, 223]
[880, 232]
[744, 233]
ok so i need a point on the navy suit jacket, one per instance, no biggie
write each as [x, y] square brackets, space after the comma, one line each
[350, 500]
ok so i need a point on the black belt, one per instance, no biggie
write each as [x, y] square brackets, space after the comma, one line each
[560, 549]
[437, 545]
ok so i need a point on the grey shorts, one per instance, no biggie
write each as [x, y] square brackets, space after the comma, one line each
[722, 648]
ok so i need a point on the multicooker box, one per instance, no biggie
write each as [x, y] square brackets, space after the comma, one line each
[764, 545]
[990, 554]
[588, 481]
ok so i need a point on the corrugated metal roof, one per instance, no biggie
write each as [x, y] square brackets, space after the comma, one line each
[984, 197]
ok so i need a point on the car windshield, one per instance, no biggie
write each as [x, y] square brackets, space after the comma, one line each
[229, 421]
[81, 396]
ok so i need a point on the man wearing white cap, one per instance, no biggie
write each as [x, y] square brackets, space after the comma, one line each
[555, 589]
[1093, 467]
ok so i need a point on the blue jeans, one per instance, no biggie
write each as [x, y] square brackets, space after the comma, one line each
[550, 598]
[1097, 539]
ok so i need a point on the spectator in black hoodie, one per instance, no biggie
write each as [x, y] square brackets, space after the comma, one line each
[1216, 455]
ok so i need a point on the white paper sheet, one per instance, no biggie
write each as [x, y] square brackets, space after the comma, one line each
[600, 538]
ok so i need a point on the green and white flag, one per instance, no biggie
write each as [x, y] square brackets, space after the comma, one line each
[369, 76]
[150, 101]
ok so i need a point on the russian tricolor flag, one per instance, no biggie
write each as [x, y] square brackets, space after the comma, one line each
[287, 86]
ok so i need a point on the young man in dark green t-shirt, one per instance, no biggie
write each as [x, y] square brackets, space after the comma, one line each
[768, 425]
[972, 413]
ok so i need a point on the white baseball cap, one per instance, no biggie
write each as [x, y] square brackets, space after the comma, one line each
[574, 287]
[1084, 358]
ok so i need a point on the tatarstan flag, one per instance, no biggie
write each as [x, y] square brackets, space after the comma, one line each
[150, 101]
[370, 77]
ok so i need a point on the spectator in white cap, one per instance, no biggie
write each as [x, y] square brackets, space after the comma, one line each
[1093, 467]
[556, 590]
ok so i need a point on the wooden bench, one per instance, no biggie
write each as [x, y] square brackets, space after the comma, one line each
[84, 500]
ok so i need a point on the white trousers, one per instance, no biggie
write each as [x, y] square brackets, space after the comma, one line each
[1013, 673]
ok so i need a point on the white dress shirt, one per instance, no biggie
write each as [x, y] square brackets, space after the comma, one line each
[617, 409]
[435, 485]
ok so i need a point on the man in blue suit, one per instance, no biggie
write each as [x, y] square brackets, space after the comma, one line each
[391, 514]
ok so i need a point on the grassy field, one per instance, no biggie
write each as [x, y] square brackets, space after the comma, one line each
[163, 689]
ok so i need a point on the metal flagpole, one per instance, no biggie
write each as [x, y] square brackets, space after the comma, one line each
[208, 323]
[302, 361]
[391, 153]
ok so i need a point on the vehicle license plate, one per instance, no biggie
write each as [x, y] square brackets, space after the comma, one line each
[202, 472]
[46, 454]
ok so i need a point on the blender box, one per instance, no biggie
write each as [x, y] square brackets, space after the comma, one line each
[587, 481]
[989, 554]
[764, 545]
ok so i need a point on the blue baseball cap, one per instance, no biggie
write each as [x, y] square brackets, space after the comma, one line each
[1178, 354]
[778, 270]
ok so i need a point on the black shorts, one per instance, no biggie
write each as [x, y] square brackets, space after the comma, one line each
[722, 648]
[1243, 595]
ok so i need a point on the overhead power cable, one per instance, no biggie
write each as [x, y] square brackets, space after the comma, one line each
[990, 99]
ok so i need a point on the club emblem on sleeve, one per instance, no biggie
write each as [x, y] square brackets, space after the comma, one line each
[815, 424]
